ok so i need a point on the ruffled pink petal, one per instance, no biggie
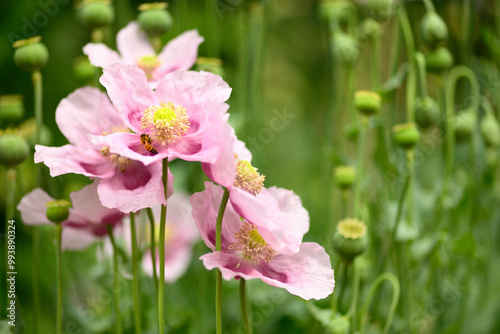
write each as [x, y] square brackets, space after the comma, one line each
[129, 91]
[74, 239]
[136, 188]
[180, 53]
[263, 211]
[243, 152]
[100, 55]
[86, 111]
[133, 43]
[205, 208]
[307, 274]
[71, 159]
[32, 207]
[230, 266]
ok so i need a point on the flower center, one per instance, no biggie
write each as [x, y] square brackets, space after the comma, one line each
[251, 245]
[165, 123]
[351, 228]
[118, 160]
[248, 177]
[149, 64]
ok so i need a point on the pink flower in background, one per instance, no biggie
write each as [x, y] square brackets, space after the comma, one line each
[184, 117]
[247, 254]
[87, 218]
[126, 184]
[135, 49]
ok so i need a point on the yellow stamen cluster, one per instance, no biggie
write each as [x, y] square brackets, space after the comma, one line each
[149, 64]
[117, 159]
[251, 245]
[351, 228]
[166, 122]
[248, 177]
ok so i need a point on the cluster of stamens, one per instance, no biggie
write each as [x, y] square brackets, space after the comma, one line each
[248, 177]
[251, 245]
[351, 228]
[149, 64]
[166, 123]
[117, 159]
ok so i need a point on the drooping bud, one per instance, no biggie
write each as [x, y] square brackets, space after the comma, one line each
[381, 9]
[490, 130]
[30, 55]
[367, 102]
[349, 239]
[95, 14]
[212, 65]
[438, 60]
[465, 122]
[426, 112]
[154, 18]
[344, 48]
[345, 176]
[11, 108]
[57, 211]
[13, 149]
[406, 135]
[433, 30]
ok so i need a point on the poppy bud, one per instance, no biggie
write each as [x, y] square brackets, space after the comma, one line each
[433, 30]
[95, 14]
[380, 9]
[57, 211]
[465, 122]
[212, 65]
[351, 131]
[345, 176]
[369, 29]
[345, 50]
[83, 69]
[490, 130]
[30, 55]
[406, 135]
[349, 239]
[13, 150]
[367, 102]
[438, 60]
[426, 112]
[11, 108]
[154, 19]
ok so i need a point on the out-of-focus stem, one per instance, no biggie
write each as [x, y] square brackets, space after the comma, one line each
[359, 166]
[243, 305]
[163, 222]
[135, 272]
[59, 278]
[218, 248]
[152, 246]
[116, 282]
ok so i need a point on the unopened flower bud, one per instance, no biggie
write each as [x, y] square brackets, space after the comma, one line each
[30, 55]
[339, 325]
[154, 19]
[13, 149]
[345, 176]
[490, 130]
[95, 14]
[11, 108]
[367, 102]
[380, 9]
[406, 135]
[345, 49]
[349, 239]
[212, 65]
[83, 69]
[332, 9]
[465, 122]
[369, 29]
[426, 112]
[57, 211]
[433, 30]
[438, 60]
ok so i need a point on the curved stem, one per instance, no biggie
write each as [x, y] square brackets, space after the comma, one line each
[163, 222]
[59, 279]
[359, 166]
[152, 246]
[429, 6]
[243, 305]
[218, 248]
[135, 273]
[394, 301]
[116, 281]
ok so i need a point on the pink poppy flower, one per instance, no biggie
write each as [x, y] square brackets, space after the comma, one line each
[87, 218]
[127, 184]
[135, 49]
[182, 118]
[247, 254]
[253, 202]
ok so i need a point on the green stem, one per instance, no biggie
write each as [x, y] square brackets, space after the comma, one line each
[152, 245]
[10, 203]
[343, 285]
[59, 278]
[333, 299]
[163, 222]
[359, 166]
[394, 301]
[135, 272]
[422, 78]
[218, 248]
[410, 51]
[375, 74]
[345, 201]
[349, 106]
[429, 6]
[354, 302]
[116, 282]
[243, 305]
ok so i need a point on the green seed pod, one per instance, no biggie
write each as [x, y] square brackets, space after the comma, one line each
[95, 14]
[30, 55]
[13, 149]
[438, 60]
[426, 112]
[433, 30]
[465, 122]
[154, 19]
[369, 30]
[367, 102]
[11, 108]
[406, 135]
[349, 239]
[57, 211]
[83, 69]
[212, 65]
[345, 49]
[345, 176]
[490, 130]
[339, 325]
[381, 9]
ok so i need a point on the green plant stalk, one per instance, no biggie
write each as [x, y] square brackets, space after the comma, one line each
[243, 305]
[350, 95]
[422, 78]
[218, 248]
[212, 35]
[375, 73]
[354, 301]
[152, 245]
[343, 285]
[333, 299]
[410, 51]
[116, 281]
[135, 272]
[394, 300]
[163, 223]
[429, 6]
[359, 166]
[10, 204]
[59, 278]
